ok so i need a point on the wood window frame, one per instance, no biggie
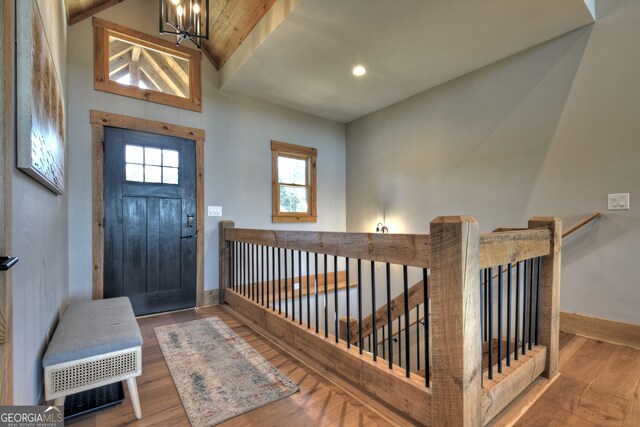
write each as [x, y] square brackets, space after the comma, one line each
[101, 32]
[101, 119]
[299, 152]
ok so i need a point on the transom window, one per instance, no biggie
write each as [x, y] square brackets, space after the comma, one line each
[130, 63]
[294, 183]
[151, 165]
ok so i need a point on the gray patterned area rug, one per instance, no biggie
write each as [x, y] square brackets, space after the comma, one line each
[217, 374]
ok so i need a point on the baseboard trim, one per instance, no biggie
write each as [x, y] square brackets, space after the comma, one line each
[211, 297]
[609, 331]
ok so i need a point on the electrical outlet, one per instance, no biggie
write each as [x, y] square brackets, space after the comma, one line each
[620, 201]
[215, 211]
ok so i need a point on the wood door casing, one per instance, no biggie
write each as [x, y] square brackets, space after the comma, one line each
[149, 246]
[99, 120]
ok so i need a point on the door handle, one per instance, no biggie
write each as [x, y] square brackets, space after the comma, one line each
[190, 236]
[6, 262]
[190, 220]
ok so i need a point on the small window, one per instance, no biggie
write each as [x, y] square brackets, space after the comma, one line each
[294, 183]
[134, 64]
[151, 165]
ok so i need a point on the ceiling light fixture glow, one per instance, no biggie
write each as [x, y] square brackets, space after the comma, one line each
[187, 20]
[359, 71]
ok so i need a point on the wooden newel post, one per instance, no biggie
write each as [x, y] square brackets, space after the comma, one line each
[224, 260]
[549, 325]
[455, 322]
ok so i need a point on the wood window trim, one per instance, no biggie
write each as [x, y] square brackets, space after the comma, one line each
[101, 119]
[295, 151]
[101, 32]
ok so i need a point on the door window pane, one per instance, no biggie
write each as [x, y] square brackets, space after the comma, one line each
[152, 156]
[135, 173]
[170, 158]
[153, 165]
[169, 175]
[152, 174]
[134, 154]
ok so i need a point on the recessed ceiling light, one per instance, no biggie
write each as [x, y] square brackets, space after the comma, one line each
[359, 71]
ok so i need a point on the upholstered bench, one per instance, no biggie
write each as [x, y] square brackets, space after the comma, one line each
[96, 343]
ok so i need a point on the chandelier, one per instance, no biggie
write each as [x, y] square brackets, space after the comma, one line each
[187, 19]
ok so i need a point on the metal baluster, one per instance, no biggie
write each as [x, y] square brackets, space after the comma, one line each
[262, 262]
[538, 296]
[309, 293]
[509, 314]
[335, 295]
[326, 299]
[273, 277]
[360, 337]
[482, 327]
[279, 282]
[316, 291]
[516, 330]
[406, 320]
[400, 341]
[490, 317]
[348, 311]
[293, 286]
[500, 319]
[286, 286]
[245, 274]
[418, 335]
[486, 306]
[425, 285]
[268, 275]
[300, 285]
[531, 304]
[524, 309]
[373, 309]
[389, 316]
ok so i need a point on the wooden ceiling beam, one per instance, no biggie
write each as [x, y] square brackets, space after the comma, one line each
[163, 74]
[150, 81]
[230, 24]
[135, 54]
[113, 72]
[123, 71]
[119, 53]
[78, 10]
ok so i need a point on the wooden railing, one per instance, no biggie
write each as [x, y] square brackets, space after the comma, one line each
[459, 381]
[415, 292]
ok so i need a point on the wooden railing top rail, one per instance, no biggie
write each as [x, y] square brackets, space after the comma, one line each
[403, 249]
[506, 247]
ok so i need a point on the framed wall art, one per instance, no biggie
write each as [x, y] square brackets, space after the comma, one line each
[40, 102]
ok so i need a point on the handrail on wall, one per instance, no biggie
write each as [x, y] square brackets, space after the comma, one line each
[582, 223]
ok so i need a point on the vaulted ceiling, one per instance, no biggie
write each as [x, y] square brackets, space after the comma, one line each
[299, 53]
[230, 21]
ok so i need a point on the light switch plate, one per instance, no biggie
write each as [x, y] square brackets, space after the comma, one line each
[620, 201]
[214, 211]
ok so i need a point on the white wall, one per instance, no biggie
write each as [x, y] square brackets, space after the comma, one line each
[39, 224]
[549, 131]
[237, 149]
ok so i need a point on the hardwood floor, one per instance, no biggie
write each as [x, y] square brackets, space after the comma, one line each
[319, 402]
[599, 385]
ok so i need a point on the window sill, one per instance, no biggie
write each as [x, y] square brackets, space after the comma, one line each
[294, 218]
